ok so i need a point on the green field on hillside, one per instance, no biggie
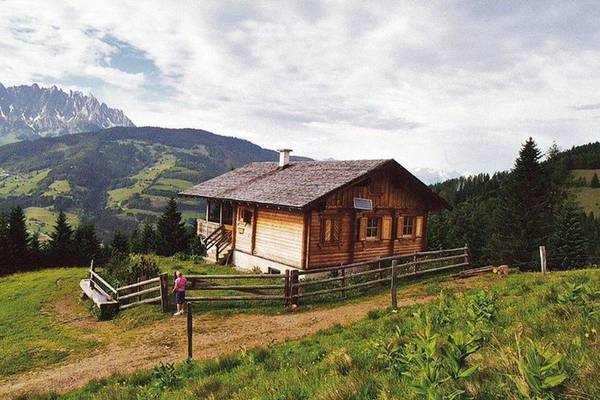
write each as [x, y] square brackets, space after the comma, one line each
[144, 179]
[528, 337]
[18, 185]
[586, 174]
[589, 199]
[60, 187]
[41, 220]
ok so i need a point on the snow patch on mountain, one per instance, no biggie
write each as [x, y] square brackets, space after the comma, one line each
[31, 112]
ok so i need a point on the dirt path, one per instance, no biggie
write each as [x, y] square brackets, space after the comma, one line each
[214, 336]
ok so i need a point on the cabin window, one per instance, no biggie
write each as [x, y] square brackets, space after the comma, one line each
[372, 228]
[331, 230]
[409, 226]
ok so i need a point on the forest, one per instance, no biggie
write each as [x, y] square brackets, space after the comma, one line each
[505, 217]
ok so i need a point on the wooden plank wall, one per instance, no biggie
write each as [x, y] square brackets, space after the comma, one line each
[391, 199]
[279, 236]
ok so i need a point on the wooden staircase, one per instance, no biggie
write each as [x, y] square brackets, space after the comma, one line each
[218, 245]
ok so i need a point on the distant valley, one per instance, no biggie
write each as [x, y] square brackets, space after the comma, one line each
[118, 177]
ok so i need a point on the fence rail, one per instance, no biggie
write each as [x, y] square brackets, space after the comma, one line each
[295, 285]
[134, 294]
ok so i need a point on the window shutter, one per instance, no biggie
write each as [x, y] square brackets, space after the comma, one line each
[419, 227]
[400, 227]
[386, 228]
[362, 228]
[327, 235]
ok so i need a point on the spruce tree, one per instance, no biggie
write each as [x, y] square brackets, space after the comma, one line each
[148, 239]
[35, 251]
[61, 246]
[523, 219]
[595, 183]
[88, 245]
[135, 241]
[569, 244]
[17, 239]
[119, 243]
[171, 237]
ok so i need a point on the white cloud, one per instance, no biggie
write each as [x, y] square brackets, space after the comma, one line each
[447, 86]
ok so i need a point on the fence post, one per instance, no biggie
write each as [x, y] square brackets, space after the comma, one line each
[466, 253]
[344, 282]
[393, 286]
[543, 259]
[189, 330]
[294, 288]
[164, 292]
[286, 289]
[92, 269]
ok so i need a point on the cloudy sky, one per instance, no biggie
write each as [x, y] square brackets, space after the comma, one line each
[450, 86]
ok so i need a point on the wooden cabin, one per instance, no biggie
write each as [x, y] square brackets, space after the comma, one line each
[309, 214]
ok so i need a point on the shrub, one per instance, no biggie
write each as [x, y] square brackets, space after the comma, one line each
[123, 269]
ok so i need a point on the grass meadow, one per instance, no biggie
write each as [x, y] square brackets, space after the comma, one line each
[528, 337]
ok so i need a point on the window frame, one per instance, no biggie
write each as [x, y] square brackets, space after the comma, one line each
[412, 225]
[370, 228]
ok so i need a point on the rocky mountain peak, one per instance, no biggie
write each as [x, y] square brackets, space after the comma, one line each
[28, 112]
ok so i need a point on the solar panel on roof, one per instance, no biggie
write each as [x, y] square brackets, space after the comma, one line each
[363, 204]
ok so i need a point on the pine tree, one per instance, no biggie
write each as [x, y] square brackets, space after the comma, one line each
[35, 251]
[119, 243]
[595, 183]
[17, 239]
[523, 219]
[61, 247]
[135, 241]
[88, 245]
[148, 239]
[171, 237]
[569, 241]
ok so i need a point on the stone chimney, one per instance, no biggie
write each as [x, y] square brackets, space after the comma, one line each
[284, 157]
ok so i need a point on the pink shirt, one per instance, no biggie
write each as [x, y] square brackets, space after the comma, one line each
[180, 284]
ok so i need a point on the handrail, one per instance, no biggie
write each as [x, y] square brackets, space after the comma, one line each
[108, 286]
[134, 285]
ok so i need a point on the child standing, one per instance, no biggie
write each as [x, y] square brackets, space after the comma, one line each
[179, 290]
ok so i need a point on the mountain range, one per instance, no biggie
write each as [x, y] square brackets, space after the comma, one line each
[32, 112]
[119, 176]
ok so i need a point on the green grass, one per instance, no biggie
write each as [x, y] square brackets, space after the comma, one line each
[57, 188]
[143, 180]
[351, 363]
[29, 336]
[22, 184]
[42, 220]
[589, 199]
[586, 174]
[170, 184]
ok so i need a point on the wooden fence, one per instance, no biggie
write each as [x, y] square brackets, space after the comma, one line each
[153, 290]
[295, 285]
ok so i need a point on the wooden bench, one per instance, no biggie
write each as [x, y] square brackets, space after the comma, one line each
[101, 299]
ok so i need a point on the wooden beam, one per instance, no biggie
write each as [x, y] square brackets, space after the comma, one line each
[254, 218]
[305, 240]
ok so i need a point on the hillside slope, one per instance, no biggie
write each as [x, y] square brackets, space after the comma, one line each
[116, 176]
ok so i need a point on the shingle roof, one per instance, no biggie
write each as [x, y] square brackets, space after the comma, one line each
[296, 185]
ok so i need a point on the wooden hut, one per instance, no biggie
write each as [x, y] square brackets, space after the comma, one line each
[309, 214]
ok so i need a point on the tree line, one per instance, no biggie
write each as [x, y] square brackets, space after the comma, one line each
[76, 246]
[505, 217]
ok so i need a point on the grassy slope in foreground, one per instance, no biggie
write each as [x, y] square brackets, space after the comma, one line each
[343, 363]
[42, 321]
